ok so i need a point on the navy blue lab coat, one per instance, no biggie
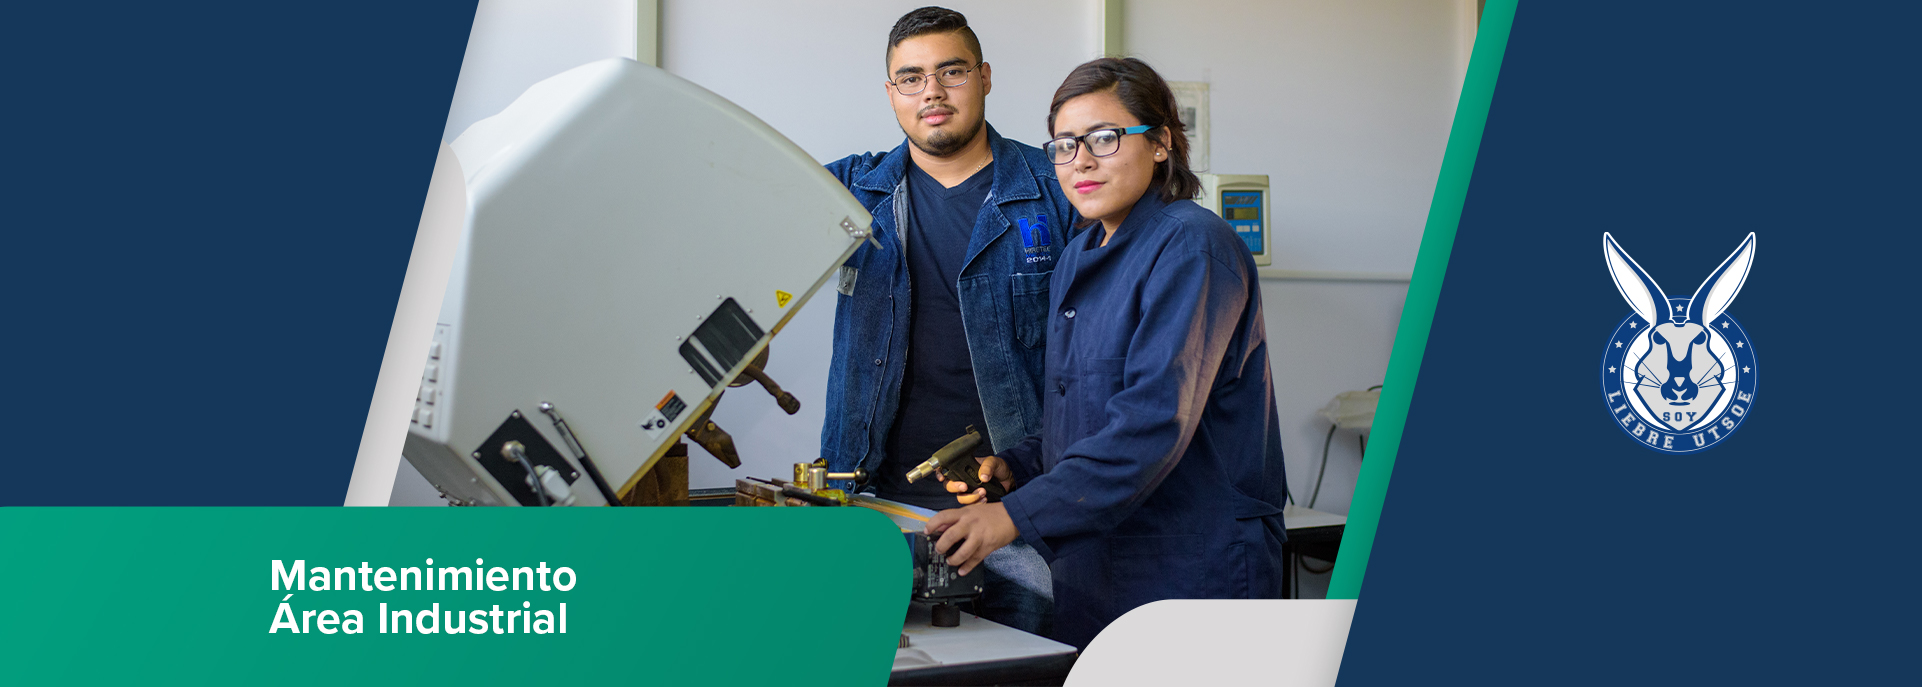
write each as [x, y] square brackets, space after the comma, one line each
[1157, 473]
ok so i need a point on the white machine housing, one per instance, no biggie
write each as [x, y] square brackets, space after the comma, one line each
[1242, 199]
[631, 242]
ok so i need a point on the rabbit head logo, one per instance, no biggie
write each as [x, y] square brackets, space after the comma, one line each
[1679, 373]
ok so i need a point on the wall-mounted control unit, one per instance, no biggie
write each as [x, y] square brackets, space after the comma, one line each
[1242, 199]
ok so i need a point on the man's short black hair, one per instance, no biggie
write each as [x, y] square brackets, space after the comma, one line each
[933, 20]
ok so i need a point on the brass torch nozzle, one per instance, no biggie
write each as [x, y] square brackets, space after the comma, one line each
[924, 469]
[962, 448]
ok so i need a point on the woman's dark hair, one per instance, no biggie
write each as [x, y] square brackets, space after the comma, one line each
[1148, 98]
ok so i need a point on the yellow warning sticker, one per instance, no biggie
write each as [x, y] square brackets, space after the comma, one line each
[781, 298]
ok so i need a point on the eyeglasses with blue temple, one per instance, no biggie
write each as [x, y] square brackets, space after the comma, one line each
[1100, 142]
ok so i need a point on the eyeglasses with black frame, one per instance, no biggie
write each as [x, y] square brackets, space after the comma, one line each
[1100, 142]
[950, 77]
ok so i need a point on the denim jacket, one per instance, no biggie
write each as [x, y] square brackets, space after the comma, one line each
[1003, 290]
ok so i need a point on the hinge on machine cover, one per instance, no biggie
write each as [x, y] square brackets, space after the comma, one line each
[858, 232]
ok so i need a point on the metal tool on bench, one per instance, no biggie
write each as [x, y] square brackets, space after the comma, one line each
[809, 488]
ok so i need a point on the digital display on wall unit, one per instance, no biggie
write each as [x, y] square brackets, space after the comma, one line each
[1241, 213]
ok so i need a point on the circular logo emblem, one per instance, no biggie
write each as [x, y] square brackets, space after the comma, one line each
[1679, 388]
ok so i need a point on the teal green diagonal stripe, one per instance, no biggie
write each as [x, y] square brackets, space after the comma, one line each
[1418, 312]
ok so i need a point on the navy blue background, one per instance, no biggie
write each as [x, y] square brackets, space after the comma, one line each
[1525, 540]
[209, 209]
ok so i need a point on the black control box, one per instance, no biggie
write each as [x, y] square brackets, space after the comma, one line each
[934, 579]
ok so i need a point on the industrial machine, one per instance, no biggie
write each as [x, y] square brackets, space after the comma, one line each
[1242, 199]
[631, 245]
[632, 242]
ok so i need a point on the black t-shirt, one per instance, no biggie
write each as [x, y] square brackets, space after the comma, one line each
[938, 395]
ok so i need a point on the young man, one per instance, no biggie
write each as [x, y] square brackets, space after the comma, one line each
[942, 325]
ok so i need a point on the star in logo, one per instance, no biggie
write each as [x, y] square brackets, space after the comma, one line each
[1631, 325]
[1611, 370]
[1744, 369]
[1725, 324]
[1738, 344]
[1618, 344]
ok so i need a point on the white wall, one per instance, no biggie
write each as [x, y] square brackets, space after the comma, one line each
[1346, 105]
[834, 104]
[515, 43]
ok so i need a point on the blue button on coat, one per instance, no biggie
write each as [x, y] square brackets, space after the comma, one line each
[1157, 473]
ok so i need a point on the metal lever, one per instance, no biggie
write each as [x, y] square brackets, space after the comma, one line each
[815, 475]
[782, 398]
[711, 437]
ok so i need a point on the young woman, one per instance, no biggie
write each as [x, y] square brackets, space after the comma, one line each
[1158, 473]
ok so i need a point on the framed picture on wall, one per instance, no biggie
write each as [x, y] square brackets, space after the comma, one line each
[1191, 97]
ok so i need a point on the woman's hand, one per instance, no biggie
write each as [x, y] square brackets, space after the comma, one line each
[992, 468]
[978, 530]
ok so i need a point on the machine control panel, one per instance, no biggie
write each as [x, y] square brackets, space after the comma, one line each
[1242, 199]
[1242, 209]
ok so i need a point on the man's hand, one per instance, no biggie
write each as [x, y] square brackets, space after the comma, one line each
[992, 468]
[979, 530]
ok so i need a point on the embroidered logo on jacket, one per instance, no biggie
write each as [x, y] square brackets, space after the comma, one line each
[1035, 240]
[1678, 375]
